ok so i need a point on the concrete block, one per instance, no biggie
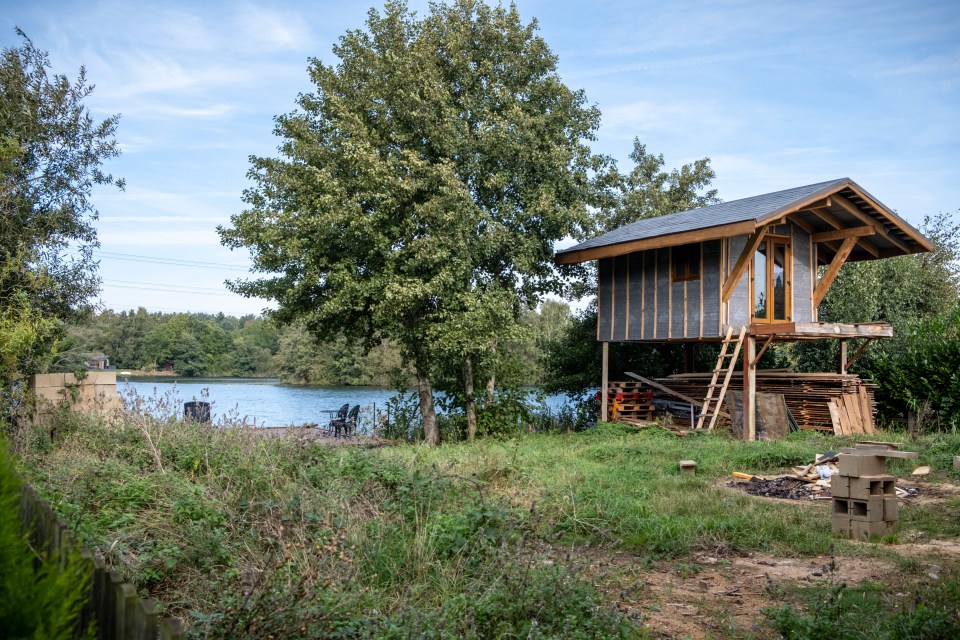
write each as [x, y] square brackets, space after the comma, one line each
[45, 380]
[51, 394]
[866, 530]
[866, 486]
[854, 465]
[101, 377]
[840, 486]
[869, 510]
[688, 467]
[840, 523]
[841, 507]
[891, 509]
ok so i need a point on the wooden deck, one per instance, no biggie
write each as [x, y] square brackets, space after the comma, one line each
[821, 330]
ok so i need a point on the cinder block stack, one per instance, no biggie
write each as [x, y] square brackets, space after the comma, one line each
[864, 495]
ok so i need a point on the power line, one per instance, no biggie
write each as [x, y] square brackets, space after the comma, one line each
[163, 284]
[171, 290]
[171, 261]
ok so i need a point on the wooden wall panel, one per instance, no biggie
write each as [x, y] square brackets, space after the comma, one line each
[740, 299]
[663, 294]
[711, 288]
[649, 294]
[677, 309]
[604, 298]
[621, 301]
[802, 275]
[635, 311]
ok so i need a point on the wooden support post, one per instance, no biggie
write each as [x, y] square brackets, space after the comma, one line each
[750, 390]
[842, 368]
[604, 382]
[689, 357]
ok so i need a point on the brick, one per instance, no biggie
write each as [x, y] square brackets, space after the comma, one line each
[878, 485]
[855, 465]
[866, 530]
[840, 486]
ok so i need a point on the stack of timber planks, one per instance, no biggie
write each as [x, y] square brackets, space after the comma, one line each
[838, 403]
[636, 404]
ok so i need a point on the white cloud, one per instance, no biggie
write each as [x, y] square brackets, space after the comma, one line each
[270, 29]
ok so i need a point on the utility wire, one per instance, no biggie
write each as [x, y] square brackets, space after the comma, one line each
[165, 285]
[171, 261]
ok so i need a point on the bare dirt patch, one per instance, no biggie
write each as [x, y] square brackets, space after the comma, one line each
[706, 596]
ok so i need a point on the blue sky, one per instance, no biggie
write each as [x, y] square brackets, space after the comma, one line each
[776, 94]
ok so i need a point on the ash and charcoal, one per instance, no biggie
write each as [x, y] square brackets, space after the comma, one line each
[785, 488]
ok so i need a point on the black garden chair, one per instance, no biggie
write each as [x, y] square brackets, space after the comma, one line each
[341, 415]
[348, 425]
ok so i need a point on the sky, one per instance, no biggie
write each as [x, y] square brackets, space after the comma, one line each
[776, 94]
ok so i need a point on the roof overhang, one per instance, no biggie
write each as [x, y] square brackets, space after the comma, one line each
[839, 206]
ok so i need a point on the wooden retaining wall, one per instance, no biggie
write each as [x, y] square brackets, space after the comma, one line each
[112, 603]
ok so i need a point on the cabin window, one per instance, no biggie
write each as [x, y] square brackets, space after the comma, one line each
[771, 280]
[686, 262]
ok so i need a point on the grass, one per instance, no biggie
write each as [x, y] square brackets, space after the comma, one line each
[246, 536]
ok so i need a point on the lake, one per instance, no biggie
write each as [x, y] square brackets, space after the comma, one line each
[264, 401]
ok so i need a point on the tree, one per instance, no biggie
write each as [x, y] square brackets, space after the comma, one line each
[918, 295]
[51, 156]
[421, 186]
[572, 360]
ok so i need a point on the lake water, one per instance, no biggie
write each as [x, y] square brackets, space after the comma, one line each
[265, 402]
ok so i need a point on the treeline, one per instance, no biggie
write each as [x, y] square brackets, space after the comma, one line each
[197, 344]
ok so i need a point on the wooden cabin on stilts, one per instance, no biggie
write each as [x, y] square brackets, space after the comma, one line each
[745, 273]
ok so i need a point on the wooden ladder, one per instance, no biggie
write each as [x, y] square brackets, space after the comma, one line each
[725, 364]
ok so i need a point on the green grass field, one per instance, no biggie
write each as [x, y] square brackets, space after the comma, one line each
[246, 536]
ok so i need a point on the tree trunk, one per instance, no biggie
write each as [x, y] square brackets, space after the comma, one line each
[471, 407]
[431, 432]
[492, 381]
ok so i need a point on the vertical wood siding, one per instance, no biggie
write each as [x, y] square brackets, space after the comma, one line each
[802, 277]
[604, 298]
[621, 300]
[637, 299]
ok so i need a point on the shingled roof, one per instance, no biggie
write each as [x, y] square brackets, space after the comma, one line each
[840, 202]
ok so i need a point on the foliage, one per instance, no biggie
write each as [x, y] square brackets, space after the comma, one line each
[34, 604]
[648, 191]
[246, 536]
[917, 295]
[572, 359]
[51, 154]
[929, 612]
[422, 186]
[923, 370]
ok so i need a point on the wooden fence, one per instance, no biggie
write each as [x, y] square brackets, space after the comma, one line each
[112, 603]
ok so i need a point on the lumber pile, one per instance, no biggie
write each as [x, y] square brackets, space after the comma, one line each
[840, 404]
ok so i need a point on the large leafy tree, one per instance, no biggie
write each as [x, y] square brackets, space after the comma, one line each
[421, 186]
[572, 360]
[51, 156]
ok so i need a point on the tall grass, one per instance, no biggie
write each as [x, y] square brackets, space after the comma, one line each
[245, 536]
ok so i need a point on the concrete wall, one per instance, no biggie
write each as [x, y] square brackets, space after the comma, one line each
[95, 393]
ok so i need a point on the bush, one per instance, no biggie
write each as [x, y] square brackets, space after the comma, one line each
[34, 604]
